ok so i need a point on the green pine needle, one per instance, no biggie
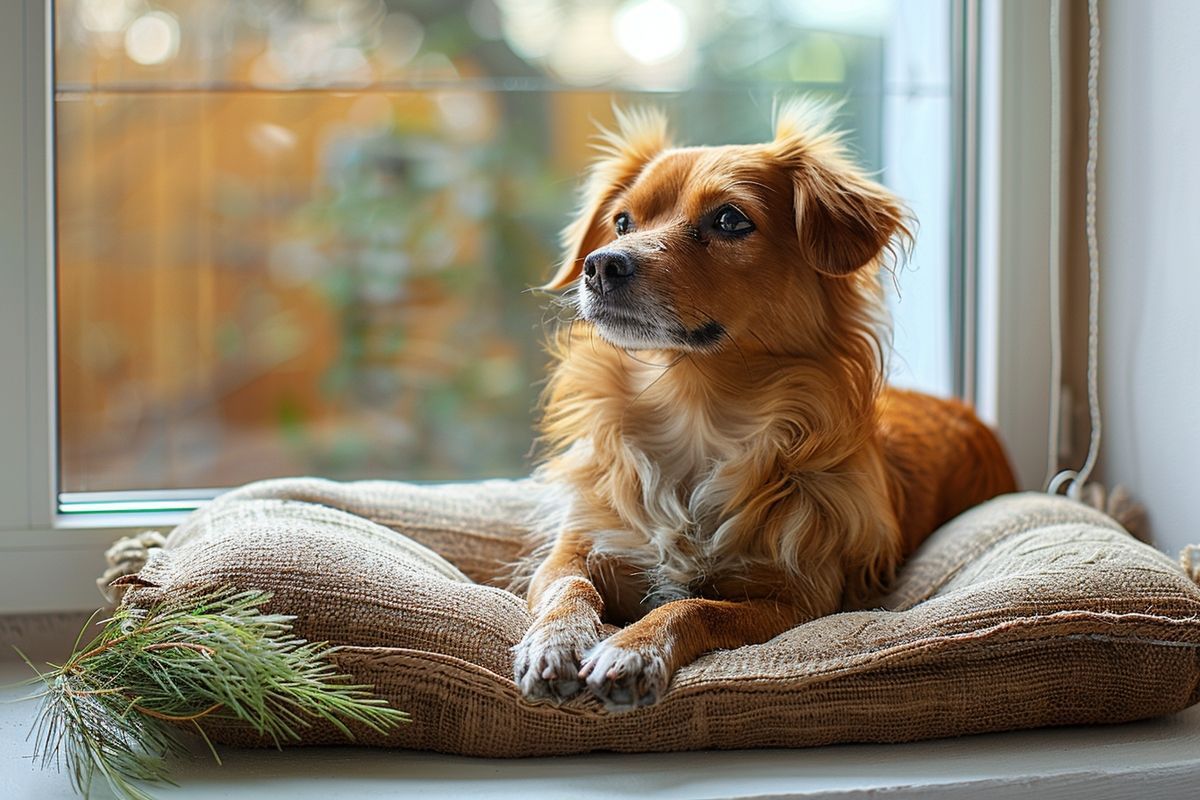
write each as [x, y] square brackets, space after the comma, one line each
[119, 704]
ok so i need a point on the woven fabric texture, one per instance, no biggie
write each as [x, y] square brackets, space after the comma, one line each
[1026, 611]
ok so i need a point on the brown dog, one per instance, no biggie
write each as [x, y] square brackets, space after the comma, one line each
[730, 461]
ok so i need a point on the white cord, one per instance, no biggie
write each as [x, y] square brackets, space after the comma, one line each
[1076, 480]
[1055, 255]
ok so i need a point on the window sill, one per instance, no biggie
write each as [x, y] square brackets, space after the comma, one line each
[1157, 758]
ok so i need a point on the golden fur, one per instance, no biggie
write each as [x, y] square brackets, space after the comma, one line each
[728, 460]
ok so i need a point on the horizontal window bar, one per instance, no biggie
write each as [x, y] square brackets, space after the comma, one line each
[68, 89]
[148, 500]
[158, 501]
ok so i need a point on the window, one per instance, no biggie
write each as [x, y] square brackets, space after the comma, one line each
[50, 550]
[294, 237]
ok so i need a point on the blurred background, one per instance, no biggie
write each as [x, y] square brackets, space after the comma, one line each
[296, 236]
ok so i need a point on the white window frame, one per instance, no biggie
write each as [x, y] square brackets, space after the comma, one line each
[1012, 157]
[48, 561]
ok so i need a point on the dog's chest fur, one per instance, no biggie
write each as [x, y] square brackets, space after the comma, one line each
[681, 459]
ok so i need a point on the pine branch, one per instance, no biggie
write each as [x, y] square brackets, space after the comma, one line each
[120, 703]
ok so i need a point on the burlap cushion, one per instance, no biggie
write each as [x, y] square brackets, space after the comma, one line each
[1027, 611]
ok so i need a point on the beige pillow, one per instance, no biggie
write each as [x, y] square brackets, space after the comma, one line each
[1027, 611]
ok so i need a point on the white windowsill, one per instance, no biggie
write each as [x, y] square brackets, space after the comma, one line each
[1157, 758]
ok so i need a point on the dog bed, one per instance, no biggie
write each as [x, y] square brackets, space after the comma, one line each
[1027, 611]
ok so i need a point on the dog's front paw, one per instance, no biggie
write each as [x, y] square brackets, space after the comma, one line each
[626, 677]
[546, 662]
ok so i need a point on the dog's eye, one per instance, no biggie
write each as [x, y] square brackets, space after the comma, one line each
[730, 220]
[623, 223]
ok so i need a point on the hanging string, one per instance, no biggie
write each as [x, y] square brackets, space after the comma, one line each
[1075, 480]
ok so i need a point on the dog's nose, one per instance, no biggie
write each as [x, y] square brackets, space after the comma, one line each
[606, 270]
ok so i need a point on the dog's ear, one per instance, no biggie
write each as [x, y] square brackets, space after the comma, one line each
[641, 134]
[845, 221]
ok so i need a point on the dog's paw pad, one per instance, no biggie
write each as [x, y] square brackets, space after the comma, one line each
[625, 678]
[546, 661]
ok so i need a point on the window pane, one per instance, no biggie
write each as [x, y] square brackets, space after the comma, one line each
[296, 237]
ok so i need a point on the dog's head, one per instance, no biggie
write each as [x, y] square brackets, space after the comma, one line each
[693, 248]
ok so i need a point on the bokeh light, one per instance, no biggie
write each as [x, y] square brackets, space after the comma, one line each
[530, 26]
[583, 52]
[651, 31]
[152, 38]
[107, 16]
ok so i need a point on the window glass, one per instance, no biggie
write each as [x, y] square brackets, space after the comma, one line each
[297, 237]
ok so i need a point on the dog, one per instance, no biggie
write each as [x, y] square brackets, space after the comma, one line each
[727, 458]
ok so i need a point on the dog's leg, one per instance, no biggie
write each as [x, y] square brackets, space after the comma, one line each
[632, 667]
[566, 609]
